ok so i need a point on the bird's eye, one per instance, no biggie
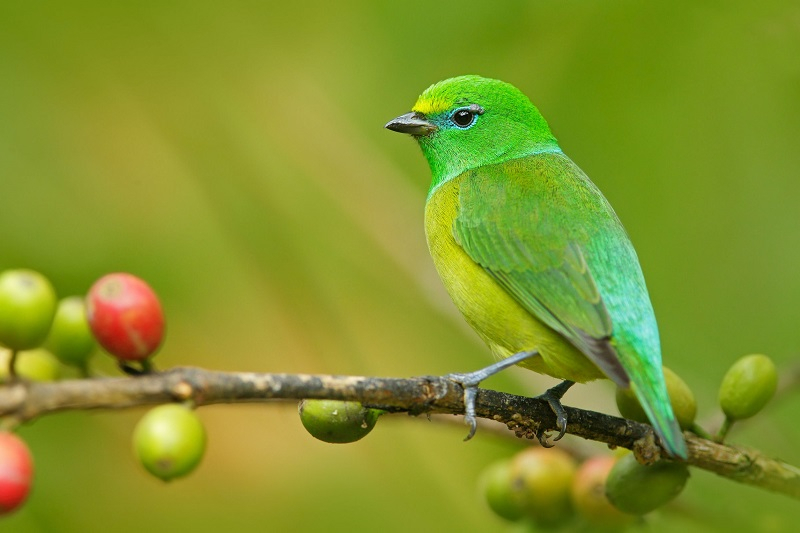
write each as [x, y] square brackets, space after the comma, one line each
[463, 118]
[466, 116]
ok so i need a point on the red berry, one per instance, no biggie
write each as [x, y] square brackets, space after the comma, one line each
[125, 316]
[16, 472]
[589, 494]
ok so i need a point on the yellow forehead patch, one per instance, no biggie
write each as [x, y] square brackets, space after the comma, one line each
[430, 106]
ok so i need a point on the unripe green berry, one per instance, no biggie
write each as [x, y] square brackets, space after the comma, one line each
[747, 386]
[169, 441]
[35, 365]
[638, 489]
[337, 422]
[496, 484]
[542, 478]
[629, 406]
[70, 338]
[681, 398]
[684, 404]
[27, 306]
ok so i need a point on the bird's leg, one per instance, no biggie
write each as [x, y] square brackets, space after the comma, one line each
[553, 397]
[471, 380]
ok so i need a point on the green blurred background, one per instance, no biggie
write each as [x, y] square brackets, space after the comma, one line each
[232, 154]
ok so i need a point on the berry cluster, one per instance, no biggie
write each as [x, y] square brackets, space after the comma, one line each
[549, 488]
[609, 492]
[40, 336]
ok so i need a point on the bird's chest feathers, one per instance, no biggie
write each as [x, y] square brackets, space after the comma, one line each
[494, 314]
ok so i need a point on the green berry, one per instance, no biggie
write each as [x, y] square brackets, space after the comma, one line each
[336, 421]
[70, 338]
[747, 386]
[589, 494]
[681, 398]
[542, 478]
[27, 306]
[35, 365]
[684, 404]
[629, 406]
[638, 489]
[496, 483]
[169, 441]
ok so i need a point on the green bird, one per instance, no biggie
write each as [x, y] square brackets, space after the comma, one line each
[530, 250]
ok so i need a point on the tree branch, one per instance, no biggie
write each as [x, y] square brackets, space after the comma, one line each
[24, 401]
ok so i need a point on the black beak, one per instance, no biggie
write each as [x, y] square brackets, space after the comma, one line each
[412, 123]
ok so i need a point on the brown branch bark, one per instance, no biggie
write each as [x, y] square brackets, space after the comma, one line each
[25, 401]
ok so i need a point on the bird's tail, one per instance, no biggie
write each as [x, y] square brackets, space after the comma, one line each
[652, 395]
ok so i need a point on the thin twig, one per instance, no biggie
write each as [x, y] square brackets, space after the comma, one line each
[25, 401]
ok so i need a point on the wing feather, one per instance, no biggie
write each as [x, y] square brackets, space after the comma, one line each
[525, 237]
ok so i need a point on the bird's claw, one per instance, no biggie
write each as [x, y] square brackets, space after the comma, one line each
[470, 385]
[471, 380]
[470, 393]
[561, 420]
[541, 436]
[553, 398]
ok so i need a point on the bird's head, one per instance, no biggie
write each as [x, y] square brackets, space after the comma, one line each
[469, 121]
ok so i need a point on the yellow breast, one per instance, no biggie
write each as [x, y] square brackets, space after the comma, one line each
[493, 313]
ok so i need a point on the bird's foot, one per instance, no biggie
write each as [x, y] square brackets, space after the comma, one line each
[470, 381]
[553, 397]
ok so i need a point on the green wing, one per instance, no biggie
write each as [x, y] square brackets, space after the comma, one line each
[528, 223]
[541, 228]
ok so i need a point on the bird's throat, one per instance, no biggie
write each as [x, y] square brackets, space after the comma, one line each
[444, 169]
